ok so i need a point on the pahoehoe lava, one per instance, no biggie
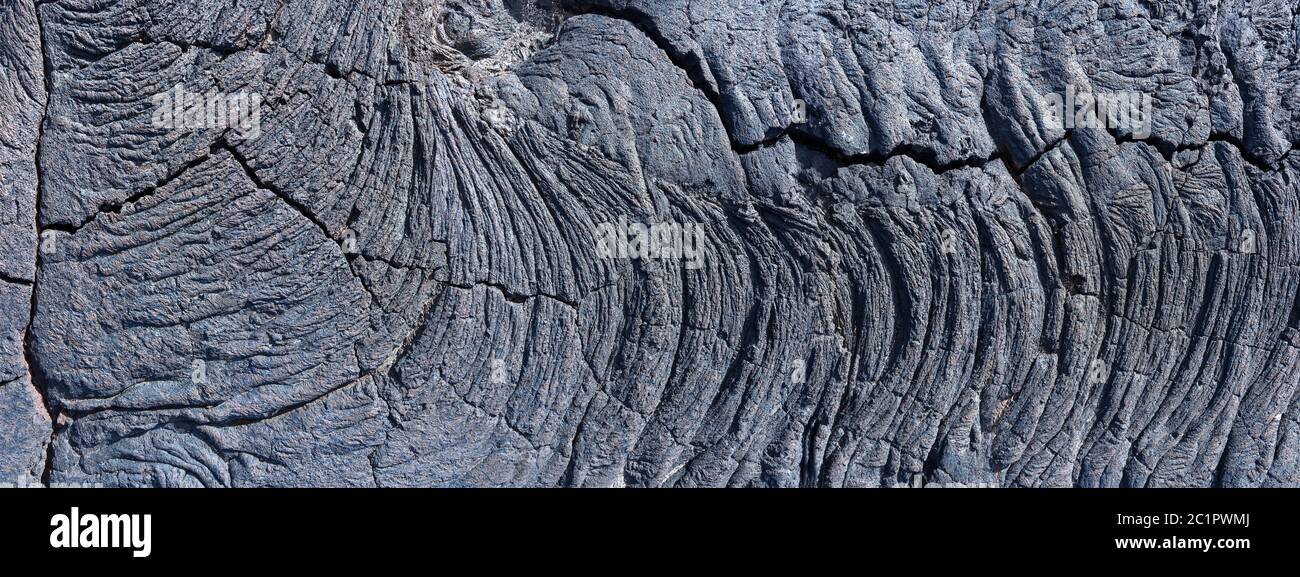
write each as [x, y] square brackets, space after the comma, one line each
[398, 278]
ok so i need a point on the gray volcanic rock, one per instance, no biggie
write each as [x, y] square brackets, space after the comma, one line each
[24, 424]
[385, 243]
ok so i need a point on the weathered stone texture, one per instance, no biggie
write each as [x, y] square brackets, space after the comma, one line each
[397, 279]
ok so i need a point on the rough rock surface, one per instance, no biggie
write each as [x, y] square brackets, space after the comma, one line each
[396, 278]
[25, 426]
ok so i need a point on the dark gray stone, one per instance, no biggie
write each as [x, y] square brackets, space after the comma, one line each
[24, 422]
[397, 277]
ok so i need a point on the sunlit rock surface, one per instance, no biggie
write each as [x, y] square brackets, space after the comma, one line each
[387, 265]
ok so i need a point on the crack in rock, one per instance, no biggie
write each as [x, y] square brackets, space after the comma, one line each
[620, 243]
